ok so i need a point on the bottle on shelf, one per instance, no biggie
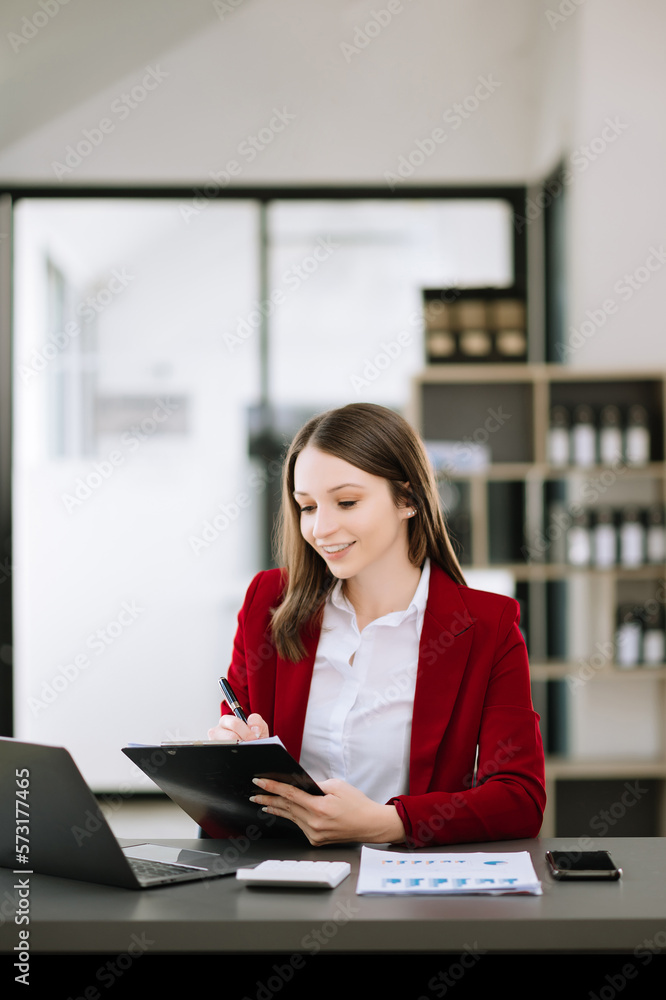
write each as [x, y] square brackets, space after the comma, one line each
[655, 535]
[558, 437]
[654, 644]
[474, 339]
[637, 436]
[440, 344]
[579, 541]
[507, 317]
[628, 637]
[583, 436]
[440, 339]
[610, 434]
[632, 537]
[476, 344]
[511, 344]
[604, 538]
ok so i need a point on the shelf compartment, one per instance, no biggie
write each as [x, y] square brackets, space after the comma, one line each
[498, 418]
[608, 807]
[623, 393]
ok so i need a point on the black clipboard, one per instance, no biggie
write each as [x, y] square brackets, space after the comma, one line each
[212, 783]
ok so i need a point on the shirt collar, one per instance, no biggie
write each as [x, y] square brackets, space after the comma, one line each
[416, 607]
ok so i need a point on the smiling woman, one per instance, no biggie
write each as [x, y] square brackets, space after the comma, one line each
[377, 454]
[402, 692]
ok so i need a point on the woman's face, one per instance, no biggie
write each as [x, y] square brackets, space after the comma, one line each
[348, 516]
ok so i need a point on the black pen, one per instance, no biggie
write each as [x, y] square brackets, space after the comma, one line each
[231, 699]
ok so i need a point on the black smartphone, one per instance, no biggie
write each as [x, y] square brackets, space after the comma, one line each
[582, 865]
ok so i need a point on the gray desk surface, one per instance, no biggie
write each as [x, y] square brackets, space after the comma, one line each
[222, 916]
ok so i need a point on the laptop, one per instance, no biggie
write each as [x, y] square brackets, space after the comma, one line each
[51, 823]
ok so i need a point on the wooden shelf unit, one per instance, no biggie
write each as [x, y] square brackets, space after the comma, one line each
[506, 408]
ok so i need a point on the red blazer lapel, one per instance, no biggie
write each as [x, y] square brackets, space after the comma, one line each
[446, 639]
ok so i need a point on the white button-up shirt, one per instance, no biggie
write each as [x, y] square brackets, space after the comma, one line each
[358, 722]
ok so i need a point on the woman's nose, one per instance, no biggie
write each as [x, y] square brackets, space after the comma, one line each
[325, 523]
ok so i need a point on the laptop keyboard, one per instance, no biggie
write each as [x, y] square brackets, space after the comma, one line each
[148, 872]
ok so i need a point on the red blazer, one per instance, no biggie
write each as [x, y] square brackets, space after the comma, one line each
[472, 688]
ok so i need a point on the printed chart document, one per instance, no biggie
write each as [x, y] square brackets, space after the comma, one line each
[411, 873]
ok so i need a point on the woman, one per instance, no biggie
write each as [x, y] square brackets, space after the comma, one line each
[374, 663]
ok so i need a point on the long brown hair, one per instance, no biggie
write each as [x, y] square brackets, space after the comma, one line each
[378, 441]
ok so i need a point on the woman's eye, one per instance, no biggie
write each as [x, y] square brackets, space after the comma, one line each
[348, 503]
[306, 510]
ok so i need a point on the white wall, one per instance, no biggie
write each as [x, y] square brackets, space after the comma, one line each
[618, 202]
[356, 112]
[362, 95]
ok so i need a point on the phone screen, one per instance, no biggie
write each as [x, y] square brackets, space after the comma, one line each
[597, 864]
[579, 861]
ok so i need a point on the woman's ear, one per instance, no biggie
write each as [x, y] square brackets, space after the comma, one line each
[407, 505]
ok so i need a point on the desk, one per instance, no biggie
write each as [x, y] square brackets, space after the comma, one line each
[222, 916]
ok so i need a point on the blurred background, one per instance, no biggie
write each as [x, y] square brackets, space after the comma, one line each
[218, 218]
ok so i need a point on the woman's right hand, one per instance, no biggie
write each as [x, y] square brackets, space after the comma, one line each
[231, 728]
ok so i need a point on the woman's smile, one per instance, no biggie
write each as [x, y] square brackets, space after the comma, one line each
[336, 551]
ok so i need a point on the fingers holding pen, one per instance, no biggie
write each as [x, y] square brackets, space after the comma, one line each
[237, 725]
[231, 728]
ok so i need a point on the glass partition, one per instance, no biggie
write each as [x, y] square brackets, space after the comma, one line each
[143, 341]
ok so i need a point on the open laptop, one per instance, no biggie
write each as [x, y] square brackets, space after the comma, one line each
[51, 823]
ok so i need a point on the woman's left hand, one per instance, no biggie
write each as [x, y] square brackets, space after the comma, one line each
[343, 813]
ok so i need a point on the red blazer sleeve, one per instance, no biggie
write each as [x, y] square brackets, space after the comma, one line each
[504, 796]
[252, 669]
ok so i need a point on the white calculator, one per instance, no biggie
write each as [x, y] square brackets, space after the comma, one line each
[296, 874]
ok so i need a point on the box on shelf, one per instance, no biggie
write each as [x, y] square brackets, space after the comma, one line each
[474, 325]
